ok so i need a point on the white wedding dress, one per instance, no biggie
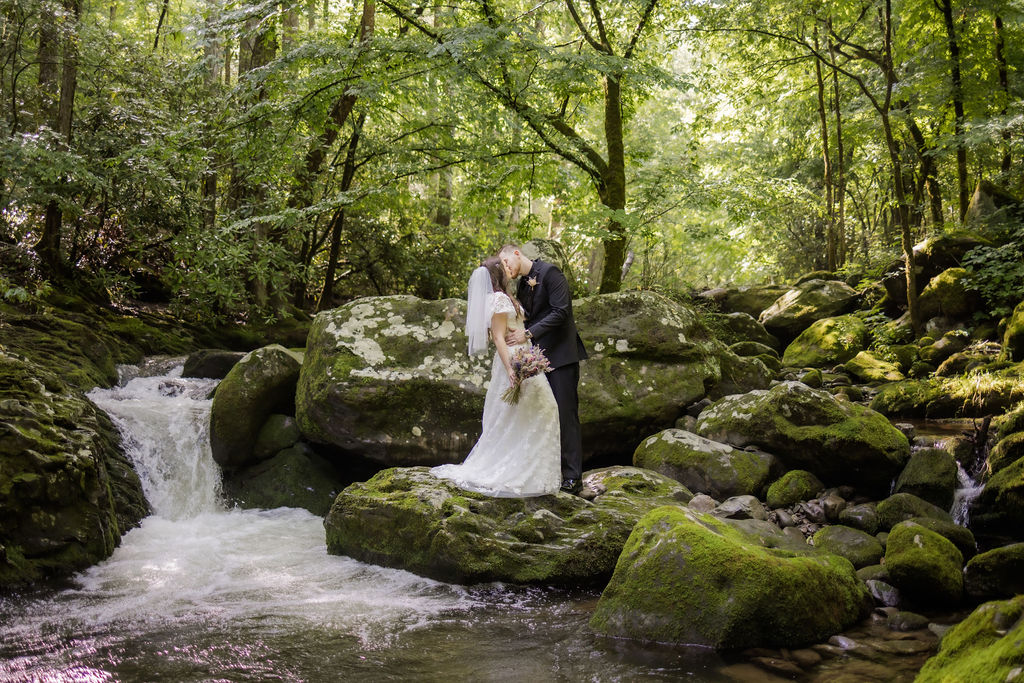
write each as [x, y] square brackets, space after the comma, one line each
[518, 454]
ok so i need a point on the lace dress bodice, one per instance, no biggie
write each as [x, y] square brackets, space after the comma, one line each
[501, 303]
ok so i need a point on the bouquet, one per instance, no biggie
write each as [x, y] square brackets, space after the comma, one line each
[526, 362]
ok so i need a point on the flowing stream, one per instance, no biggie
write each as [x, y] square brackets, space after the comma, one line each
[200, 592]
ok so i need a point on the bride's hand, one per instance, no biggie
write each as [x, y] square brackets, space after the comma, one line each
[511, 376]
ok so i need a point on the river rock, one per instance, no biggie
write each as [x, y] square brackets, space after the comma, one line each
[751, 300]
[706, 466]
[986, 646]
[840, 442]
[925, 566]
[294, 477]
[859, 548]
[827, 342]
[1013, 337]
[947, 294]
[903, 506]
[388, 378]
[930, 474]
[211, 363]
[741, 508]
[794, 311]
[278, 433]
[949, 343]
[752, 348]
[938, 398]
[1007, 451]
[67, 493]
[792, 487]
[741, 327]
[259, 385]
[685, 577]
[958, 535]
[998, 573]
[868, 366]
[999, 509]
[863, 516]
[740, 375]
[409, 519]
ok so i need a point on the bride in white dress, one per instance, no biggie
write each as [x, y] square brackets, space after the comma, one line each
[518, 454]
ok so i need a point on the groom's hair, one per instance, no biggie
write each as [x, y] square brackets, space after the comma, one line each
[508, 249]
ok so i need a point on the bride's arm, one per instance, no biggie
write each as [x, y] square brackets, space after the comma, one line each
[499, 322]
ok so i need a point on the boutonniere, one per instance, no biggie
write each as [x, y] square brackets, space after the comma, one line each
[532, 282]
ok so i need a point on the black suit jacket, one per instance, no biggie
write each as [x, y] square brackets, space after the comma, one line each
[548, 306]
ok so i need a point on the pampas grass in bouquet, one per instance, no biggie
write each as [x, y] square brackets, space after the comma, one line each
[526, 362]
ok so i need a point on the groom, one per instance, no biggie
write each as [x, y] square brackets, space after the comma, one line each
[544, 293]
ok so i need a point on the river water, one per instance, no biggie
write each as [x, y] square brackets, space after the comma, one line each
[200, 592]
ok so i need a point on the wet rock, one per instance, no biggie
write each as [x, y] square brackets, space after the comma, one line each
[809, 429]
[1007, 451]
[863, 517]
[908, 429]
[212, 363]
[702, 503]
[883, 592]
[930, 474]
[902, 506]
[812, 511]
[859, 548]
[784, 519]
[874, 572]
[259, 385]
[984, 646]
[925, 566]
[827, 342]
[998, 573]
[741, 507]
[408, 519]
[999, 509]
[691, 578]
[294, 477]
[907, 621]
[797, 309]
[832, 504]
[706, 466]
[278, 433]
[960, 536]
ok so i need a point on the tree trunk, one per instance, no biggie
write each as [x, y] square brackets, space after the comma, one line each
[929, 171]
[46, 55]
[958, 107]
[338, 227]
[831, 255]
[1004, 85]
[160, 23]
[841, 171]
[613, 192]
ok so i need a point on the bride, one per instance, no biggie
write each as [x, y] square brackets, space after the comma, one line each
[518, 452]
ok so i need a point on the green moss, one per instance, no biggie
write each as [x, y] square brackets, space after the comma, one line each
[986, 646]
[860, 548]
[902, 506]
[998, 573]
[793, 487]
[924, 565]
[1007, 451]
[930, 474]
[870, 367]
[827, 342]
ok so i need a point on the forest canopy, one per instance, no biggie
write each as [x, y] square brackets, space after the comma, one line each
[246, 158]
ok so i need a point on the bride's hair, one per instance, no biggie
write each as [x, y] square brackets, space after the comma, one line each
[499, 280]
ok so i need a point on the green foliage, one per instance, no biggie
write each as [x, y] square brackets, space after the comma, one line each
[997, 273]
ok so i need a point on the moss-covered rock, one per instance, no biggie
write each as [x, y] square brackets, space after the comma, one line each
[259, 385]
[998, 573]
[981, 393]
[792, 487]
[212, 363]
[947, 294]
[686, 577]
[986, 646]
[1007, 451]
[1013, 337]
[294, 477]
[277, 433]
[840, 442]
[999, 509]
[930, 474]
[923, 565]
[959, 536]
[794, 311]
[863, 516]
[388, 378]
[407, 518]
[752, 348]
[868, 366]
[751, 300]
[706, 466]
[734, 328]
[67, 492]
[740, 375]
[860, 548]
[829, 341]
[947, 345]
[902, 506]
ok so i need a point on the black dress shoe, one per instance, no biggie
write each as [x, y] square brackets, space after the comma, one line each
[573, 486]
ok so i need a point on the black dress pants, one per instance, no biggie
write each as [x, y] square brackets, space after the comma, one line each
[565, 386]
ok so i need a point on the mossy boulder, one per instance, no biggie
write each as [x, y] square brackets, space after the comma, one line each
[947, 345]
[930, 474]
[1007, 451]
[295, 477]
[741, 327]
[740, 375]
[827, 342]
[277, 433]
[947, 294]
[986, 646]
[752, 348]
[868, 366]
[863, 516]
[67, 493]
[1013, 337]
[687, 577]
[794, 311]
[925, 566]
[706, 466]
[840, 442]
[976, 395]
[409, 519]
[960, 536]
[259, 385]
[792, 487]
[860, 548]
[999, 509]
[751, 300]
[998, 573]
[212, 363]
[388, 378]
[902, 506]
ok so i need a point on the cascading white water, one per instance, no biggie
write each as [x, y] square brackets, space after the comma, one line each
[967, 490]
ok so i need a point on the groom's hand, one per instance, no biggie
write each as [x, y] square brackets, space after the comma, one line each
[515, 337]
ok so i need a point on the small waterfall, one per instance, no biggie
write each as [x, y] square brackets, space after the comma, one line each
[164, 421]
[967, 490]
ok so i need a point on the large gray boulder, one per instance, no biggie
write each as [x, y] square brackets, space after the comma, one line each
[742, 327]
[838, 441]
[706, 466]
[794, 311]
[388, 378]
[409, 519]
[687, 577]
[259, 385]
[827, 342]
[751, 300]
